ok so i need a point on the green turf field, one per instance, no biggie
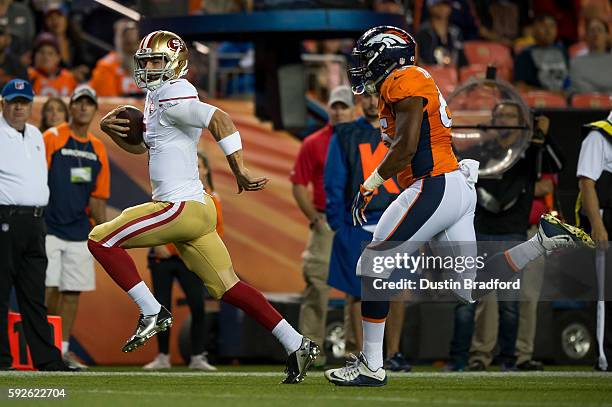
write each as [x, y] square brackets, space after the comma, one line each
[257, 386]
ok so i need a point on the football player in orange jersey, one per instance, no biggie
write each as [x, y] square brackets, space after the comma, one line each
[439, 198]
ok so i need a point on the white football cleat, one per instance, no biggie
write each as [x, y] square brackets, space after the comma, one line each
[200, 362]
[357, 373]
[161, 361]
[72, 360]
[553, 234]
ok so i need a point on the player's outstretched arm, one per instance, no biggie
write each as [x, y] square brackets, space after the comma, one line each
[224, 131]
[116, 129]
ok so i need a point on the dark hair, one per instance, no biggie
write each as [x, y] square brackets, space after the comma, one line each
[209, 180]
[79, 54]
[44, 126]
[544, 16]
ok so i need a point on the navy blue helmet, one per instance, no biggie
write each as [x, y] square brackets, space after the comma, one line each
[377, 53]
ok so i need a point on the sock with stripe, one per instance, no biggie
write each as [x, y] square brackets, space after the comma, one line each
[526, 252]
[117, 263]
[256, 306]
[505, 266]
[374, 314]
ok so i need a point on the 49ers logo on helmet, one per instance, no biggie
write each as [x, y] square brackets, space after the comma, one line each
[176, 45]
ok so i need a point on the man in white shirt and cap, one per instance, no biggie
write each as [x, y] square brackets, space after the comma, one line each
[23, 197]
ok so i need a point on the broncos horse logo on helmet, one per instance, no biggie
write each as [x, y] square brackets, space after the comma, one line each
[378, 52]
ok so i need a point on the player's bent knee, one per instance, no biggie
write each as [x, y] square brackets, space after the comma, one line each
[217, 292]
[95, 234]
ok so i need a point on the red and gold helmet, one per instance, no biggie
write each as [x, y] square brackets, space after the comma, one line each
[160, 44]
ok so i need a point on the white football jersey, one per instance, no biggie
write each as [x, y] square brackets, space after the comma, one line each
[173, 161]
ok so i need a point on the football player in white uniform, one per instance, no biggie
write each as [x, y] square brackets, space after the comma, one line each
[180, 211]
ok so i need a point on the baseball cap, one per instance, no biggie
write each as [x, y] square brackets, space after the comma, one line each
[17, 88]
[341, 94]
[84, 91]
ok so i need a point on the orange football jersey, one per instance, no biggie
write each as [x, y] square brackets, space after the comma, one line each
[109, 79]
[60, 85]
[434, 155]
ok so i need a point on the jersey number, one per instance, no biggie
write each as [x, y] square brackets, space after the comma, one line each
[445, 116]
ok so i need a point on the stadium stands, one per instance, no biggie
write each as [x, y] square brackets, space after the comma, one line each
[487, 52]
[479, 71]
[540, 99]
[445, 76]
[592, 100]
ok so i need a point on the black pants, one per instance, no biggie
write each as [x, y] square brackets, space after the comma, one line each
[23, 264]
[163, 273]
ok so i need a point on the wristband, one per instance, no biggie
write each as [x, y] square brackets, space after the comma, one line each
[373, 181]
[231, 143]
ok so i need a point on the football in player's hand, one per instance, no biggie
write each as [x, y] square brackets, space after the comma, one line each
[135, 116]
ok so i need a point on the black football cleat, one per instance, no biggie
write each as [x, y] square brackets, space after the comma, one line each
[148, 326]
[300, 361]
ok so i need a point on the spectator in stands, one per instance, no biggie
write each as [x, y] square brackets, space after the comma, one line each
[309, 169]
[165, 266]
[113, 74]
[73, 52]
[500, 20]
[462, 16]
[545, 64]
[388, 6]
[21, 25]
[566, 13]
[10, 65]
[47, 76]
[591, 72]
[79, 186]
[53, 113]
[354, 147]
[440, 43]
[333, 70]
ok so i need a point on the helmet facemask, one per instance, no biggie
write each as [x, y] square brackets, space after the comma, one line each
[377, 54]
[361, 77]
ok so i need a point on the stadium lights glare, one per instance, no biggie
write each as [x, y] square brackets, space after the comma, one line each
[128, 12]
[201, 48]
